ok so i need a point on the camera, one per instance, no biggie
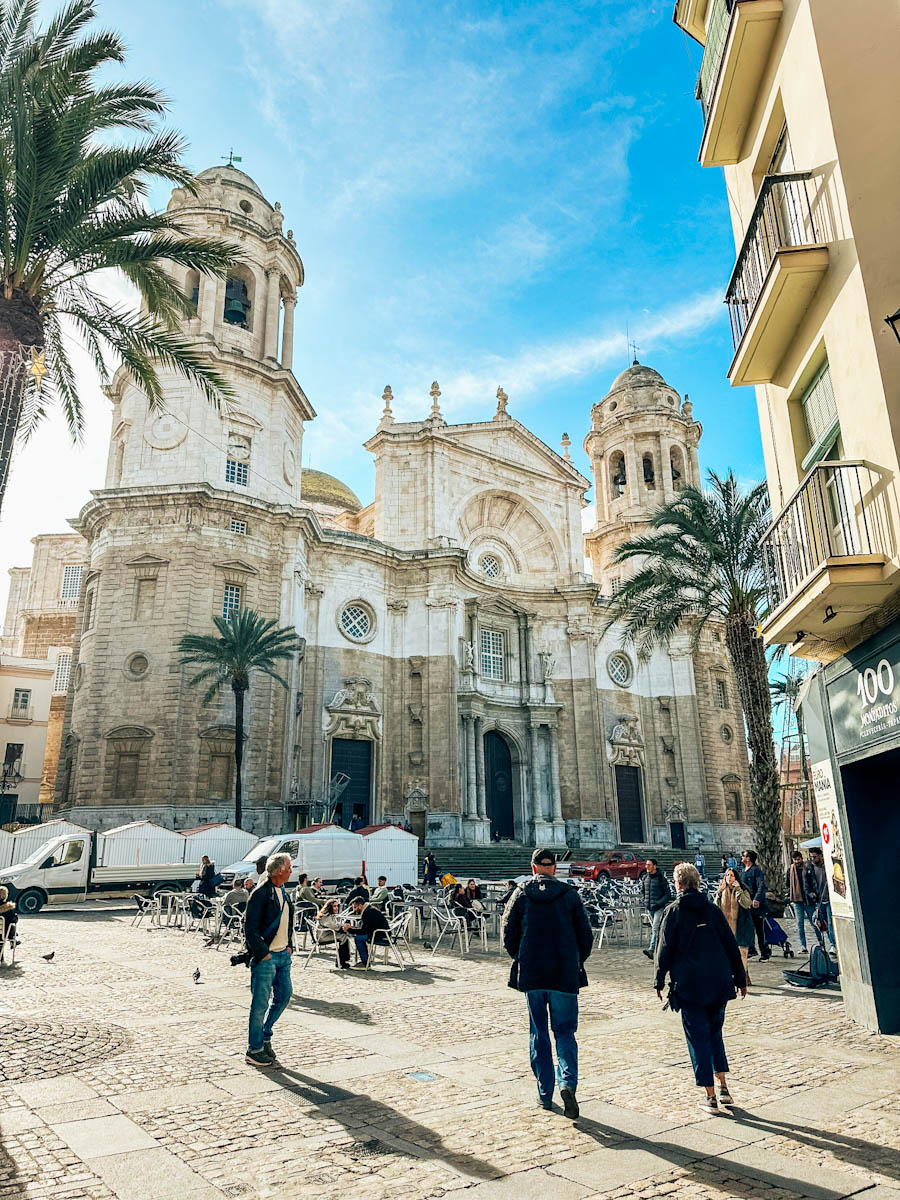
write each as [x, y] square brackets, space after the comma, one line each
[240, 960]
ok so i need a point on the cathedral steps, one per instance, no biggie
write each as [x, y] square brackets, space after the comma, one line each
[510, 859]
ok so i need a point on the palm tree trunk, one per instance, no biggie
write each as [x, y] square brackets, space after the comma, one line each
[20, 329]
[745, 647]
[238, 752]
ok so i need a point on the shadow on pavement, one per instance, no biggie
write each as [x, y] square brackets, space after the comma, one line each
[364, 1112]
[852, 1150]
[336, 1009]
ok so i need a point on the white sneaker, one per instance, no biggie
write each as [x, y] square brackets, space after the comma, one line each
[709, 1104]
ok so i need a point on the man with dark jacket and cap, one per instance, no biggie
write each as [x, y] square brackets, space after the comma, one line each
[548, 936]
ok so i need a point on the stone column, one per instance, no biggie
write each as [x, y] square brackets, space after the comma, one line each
[601, 489]
[479, 768]
[537, 813]
[471, 806]
[287, 340]
[273, 300]
[694, 467]
[209, 288]
[556, 799]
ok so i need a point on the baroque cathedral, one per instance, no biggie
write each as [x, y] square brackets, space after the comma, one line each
[452, 672]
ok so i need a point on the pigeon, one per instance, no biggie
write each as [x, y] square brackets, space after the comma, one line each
[196, 975]
[48, 957]
[426, 945]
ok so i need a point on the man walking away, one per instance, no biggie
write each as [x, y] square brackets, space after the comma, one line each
[795, 886]
[819, 897]
[657, 899]
[755, 883]
[700, 863]
[547, 934]
[269, 933]
[368, 919]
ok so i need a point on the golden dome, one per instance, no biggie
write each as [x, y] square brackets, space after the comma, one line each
[317, 487]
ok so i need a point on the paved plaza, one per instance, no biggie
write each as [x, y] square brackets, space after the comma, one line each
[124, 1079]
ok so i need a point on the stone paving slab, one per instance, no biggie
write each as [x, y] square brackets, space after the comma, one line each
[153, 1175]
[96, 1136]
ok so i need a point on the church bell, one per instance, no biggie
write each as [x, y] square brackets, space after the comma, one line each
[237, 302]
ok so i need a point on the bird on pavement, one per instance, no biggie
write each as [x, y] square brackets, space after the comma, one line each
[48, 957]
[196, 975]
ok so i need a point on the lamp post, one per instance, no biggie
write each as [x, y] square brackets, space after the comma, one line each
[9, 779]
[894, 322]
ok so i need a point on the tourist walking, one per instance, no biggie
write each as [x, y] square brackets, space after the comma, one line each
[657, 899]
[796, 888]
[699, 954]
[817, 890]
[207, 877]
[734, 901]
[429, 870]
[269, 933]
[258, 874]
[548, 936]
[700, 863]
[755, 883]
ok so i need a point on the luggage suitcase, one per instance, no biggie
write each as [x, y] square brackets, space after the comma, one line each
[775, 936]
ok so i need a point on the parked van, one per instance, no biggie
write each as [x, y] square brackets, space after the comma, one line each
[327, 850]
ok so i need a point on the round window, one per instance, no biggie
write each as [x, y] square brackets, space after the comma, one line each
[246, 206]
[727, 733]
[137, 666]
[490, 566]
[620, 670]
[356, 622]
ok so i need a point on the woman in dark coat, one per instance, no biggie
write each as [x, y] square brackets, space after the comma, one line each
[699, 953]
[460, 904]
[207, 875]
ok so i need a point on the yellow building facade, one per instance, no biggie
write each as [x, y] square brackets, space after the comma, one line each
[797, 109]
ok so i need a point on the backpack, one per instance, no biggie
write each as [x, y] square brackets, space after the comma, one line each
[217, 879]
[821, 966]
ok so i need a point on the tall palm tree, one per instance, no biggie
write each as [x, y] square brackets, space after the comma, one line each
[73, 204]
[784, 689]
[246, 643]
[699, 562]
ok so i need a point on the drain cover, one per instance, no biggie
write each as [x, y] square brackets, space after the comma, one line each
[422, 1076]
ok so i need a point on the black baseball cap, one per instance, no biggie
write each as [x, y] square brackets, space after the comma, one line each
[543, 858]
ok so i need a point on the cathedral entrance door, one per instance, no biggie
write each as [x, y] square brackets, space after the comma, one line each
[353, 758]
[679, 837]
[631, 810]
[498, 785]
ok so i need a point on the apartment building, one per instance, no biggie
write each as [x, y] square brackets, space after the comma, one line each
[798, 107]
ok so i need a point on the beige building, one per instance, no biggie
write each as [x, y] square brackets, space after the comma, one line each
[25, 692]
[453, 670]
[797, 99]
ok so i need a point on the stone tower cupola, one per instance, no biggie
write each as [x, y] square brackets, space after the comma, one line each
[643, 450]
[244, 327]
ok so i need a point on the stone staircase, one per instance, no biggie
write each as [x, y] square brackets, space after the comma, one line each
[509, 859]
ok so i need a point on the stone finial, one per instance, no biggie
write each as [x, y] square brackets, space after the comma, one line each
[687, 408]
[502, 399]
[435, 393]
[387, 417]
[566, 443]
[290, 235]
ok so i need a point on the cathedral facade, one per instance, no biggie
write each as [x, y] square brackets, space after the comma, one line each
[453, 671]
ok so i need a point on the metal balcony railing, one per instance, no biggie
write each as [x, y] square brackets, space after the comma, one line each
[713, 52]
[784, 218]
[20, 712]
[835, 513]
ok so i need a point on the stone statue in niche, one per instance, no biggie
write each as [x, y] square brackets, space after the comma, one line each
[548, 665]
[468, 656]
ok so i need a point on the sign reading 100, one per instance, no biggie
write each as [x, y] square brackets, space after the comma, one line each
[874, 682]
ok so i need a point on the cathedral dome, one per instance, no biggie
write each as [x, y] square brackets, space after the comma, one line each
[317, 487]
[230, 174]
[635, 376]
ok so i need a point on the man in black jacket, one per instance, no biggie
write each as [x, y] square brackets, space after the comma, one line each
[755, 883]
[368, 919]
[548, 936]
[657, 899]
[269, 933]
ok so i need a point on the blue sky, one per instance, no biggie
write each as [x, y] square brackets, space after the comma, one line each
[482, 195]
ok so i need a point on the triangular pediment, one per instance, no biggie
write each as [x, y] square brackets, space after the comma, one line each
[238, 565]
[509, 441]
[147, 560]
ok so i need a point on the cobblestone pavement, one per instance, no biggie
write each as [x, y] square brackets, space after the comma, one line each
[125, 1080]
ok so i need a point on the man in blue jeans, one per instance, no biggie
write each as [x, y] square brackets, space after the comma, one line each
[548, 936]
[269, 933]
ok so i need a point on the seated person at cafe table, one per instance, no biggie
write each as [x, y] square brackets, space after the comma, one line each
[460, 904]
[328, 919]
[368, 920]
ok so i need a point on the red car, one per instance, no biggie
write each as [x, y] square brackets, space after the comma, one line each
[612, 864]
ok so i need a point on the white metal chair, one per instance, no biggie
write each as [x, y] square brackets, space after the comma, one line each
[448, 924]
[231, 927]
[392, 940]
[145, 906]
[8, 942]
[320, 939]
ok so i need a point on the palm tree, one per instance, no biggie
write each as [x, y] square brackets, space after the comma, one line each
[72, 205]
[246, 643]
[784, 689]
[700, 562]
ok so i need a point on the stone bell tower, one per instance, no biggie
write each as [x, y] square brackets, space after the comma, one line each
[199, 516]
[643, 449]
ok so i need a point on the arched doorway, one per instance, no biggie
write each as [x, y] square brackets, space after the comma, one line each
[498, 783]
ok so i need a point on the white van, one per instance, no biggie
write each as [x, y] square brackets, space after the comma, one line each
[327, 850]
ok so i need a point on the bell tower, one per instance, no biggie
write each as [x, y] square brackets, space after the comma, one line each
[643, 450]
[244, 326]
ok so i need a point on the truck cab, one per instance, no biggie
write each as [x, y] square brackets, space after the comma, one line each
[56, 872]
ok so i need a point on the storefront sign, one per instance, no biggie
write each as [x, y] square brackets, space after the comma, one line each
[832, 839]
[865, 701]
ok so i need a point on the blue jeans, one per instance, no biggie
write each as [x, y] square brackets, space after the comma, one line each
[562, 1009]
[269, 981]
[362, 947]
[825, 910]
[654, 928]
[804, 913]
[703, 1032]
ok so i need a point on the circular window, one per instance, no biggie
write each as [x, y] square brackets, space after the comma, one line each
[490, 566]
[137, 666]
[727, 733]
[620, 669]
[614, 406]
[356, 621]
[246, 206]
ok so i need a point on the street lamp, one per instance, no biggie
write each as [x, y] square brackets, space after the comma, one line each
[894, 322]
[10, 778]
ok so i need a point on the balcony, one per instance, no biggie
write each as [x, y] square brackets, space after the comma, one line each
[739, 37]
[20, 713]
[778, 271]
[827, 556]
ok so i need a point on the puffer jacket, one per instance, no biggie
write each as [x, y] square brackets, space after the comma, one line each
[548, 936]
[698, 951]
[656, 891]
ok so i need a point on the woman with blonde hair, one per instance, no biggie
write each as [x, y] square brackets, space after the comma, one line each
[734, 901]
[327, 920]
[698, 951]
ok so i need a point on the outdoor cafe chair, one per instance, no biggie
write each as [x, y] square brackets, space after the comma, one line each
[320, 939]
[8, 941]
[230, 927]
[145, 906]
[449, 925]
[391, 940]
